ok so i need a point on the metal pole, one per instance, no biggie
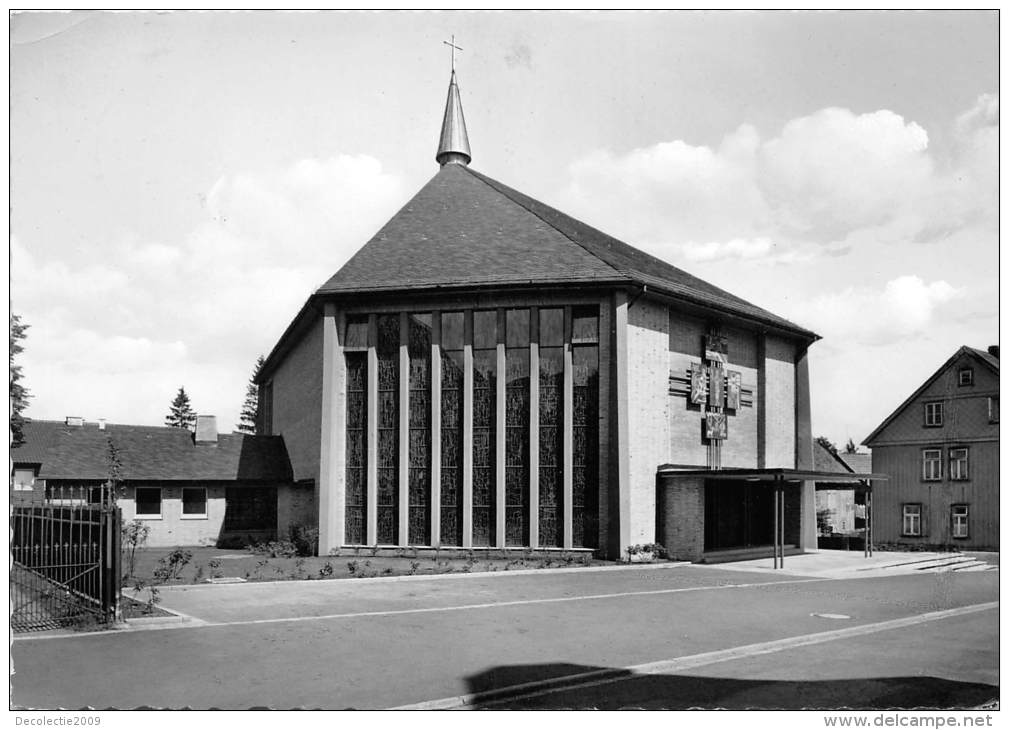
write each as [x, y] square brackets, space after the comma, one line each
[781, 523]
[775, 526]
[865, 523]
[869, 518]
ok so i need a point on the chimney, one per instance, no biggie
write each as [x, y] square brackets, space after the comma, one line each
[206, 430]
[75, 421]
[993, 350]
[101, 424]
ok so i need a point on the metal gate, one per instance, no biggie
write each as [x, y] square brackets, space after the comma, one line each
[65, 559]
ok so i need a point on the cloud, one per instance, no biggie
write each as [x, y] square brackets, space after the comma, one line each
[821, 180]
[905, 308]
[117, 336]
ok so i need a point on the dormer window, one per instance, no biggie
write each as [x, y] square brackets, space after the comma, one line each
[933, 414]
[965, 376]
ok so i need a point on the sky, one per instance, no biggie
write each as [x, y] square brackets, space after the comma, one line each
[181, 182]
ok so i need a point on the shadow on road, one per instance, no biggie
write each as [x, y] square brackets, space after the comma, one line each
[497, 689]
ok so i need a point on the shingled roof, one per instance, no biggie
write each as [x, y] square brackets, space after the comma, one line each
[150, 453]
[464, 229]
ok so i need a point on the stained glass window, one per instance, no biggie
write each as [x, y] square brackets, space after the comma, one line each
[452, 366]
[585, 437]
[551, 375]
[419, 348]
[484, 418]
[357, 332]
[517, 427]
[387, 501]
[356, 447]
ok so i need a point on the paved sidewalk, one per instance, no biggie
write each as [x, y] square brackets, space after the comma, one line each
[853, 564]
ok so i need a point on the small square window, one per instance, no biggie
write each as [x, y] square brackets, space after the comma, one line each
[931, 465]
[958, 464]
[958, 520]
[933, 414]
[194, 502]
[912, 520]
[148, 500]
[24, 480]
[965, 376]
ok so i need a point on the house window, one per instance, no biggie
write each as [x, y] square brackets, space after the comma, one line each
[933, 414]
[993, 409]
[958, 464]
[958, 520]
[965, 376]
[912, 520]
[24, 480]
[931, 463]
[194, 502]
[148, 501]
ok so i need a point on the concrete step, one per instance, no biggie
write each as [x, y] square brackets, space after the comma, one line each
[733, 555]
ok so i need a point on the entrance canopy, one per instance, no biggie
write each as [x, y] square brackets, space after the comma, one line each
[778, 475]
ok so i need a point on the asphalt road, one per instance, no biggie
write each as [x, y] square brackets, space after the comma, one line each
[671, 638]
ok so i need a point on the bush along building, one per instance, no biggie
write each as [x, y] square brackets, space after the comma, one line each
[488, 372]
[940, 451]
[189, 488]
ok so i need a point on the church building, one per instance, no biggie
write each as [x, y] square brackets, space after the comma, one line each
[488, 372]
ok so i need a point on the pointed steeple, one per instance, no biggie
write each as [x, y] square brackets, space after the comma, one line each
[453, 148]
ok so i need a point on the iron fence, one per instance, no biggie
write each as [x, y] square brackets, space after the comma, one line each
[65, 551]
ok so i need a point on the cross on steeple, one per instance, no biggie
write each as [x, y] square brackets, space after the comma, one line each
[454, 49]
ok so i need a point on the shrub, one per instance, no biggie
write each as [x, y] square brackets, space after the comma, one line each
[134, 535]
[171, 565]
[274, 549]
[305, 539]
[215, 568]
[652, 548]
[326, 571]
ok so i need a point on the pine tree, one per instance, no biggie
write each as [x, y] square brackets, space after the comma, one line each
[247, 421]
[181, 414]
[19, 394]
[850, 447]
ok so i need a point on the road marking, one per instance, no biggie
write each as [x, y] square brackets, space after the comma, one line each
[600, 677]
[431, 609]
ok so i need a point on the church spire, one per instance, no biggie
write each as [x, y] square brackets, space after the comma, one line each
[453, 147]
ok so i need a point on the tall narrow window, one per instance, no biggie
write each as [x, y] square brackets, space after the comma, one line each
[931, 465]
[419, 348]
[958, 464]
[585, 446]
[452, 368]
[517, 427]
[993, 409]
[387, 497]
[484, 415]
[356, 348]
[933, 414]
[912, 520]
[958, 520]
[551, 375]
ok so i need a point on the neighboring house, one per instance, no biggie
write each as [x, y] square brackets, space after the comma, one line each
[200, 488]
[488, 372]
[940, 450]
[838, 499]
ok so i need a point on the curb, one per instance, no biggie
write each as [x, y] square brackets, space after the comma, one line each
[437, 576]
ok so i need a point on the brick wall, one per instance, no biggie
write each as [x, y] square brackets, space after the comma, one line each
[297, 403]
[686, 347]
[649, 437]
[681, 517]
[295, 506]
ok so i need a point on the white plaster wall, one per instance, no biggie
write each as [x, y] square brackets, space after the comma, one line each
[649, 436]
[779, 363]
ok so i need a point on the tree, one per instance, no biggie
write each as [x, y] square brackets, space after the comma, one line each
[19, 394]
[827, 444]
[850, 447]
[247, 421]
[181, 414]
